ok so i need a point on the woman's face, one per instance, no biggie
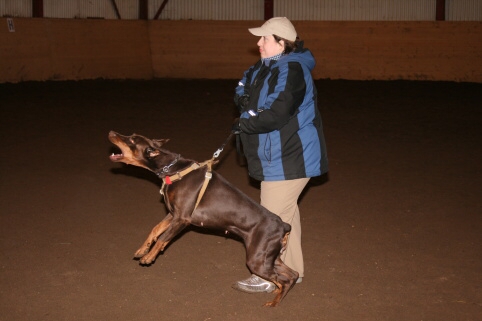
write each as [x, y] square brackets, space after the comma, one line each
[268, 47]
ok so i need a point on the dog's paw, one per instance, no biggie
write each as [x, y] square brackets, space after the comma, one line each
[141, 252]
[145, 261]
[271, 304]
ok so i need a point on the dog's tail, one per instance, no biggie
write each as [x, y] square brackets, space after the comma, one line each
[286, 227]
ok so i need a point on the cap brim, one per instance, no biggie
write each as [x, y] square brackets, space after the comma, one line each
[259, 32]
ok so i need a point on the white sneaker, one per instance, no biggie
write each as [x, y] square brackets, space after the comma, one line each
[254, 284]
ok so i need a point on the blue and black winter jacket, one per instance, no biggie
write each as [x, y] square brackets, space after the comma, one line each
[282, 132]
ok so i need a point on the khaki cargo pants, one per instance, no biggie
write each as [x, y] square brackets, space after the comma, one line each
[281, 198]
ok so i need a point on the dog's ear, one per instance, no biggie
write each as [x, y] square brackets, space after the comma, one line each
[160, 142]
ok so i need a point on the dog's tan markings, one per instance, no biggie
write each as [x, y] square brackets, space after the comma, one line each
[151, 256]
[152, 238]
[128, 156]
[154, 153]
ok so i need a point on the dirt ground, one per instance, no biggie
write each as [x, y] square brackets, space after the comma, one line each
[394, 232]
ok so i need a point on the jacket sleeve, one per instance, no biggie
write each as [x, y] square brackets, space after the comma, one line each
[285, 95]
[245, 83]
[239, 90]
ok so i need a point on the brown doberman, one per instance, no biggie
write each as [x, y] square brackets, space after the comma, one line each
[195, 194]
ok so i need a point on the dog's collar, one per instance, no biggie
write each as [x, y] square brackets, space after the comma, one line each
[166, 168]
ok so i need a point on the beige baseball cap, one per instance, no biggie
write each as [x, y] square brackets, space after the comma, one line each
[279, 26]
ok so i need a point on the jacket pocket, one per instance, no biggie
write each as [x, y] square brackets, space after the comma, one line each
[267, 151]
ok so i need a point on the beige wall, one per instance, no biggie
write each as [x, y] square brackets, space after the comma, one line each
[61, 49]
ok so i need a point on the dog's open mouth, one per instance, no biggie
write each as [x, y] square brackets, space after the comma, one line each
[116, 157]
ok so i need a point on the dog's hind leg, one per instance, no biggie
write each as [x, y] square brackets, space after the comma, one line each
[155, 233]
[280, 274]
[174, 228]
[285, 279]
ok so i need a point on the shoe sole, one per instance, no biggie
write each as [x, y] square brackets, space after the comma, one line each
[246, 290]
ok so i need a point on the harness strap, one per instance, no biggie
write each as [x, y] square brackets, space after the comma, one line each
[167, 180]
[181, 174]
[207, 177]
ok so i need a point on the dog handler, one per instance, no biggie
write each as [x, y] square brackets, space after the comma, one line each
[281, 131]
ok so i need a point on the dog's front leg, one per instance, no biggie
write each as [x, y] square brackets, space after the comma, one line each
[174, 228]
[156, 231]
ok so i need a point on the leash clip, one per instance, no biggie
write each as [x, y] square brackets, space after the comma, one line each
[216, 153]
[220, 149]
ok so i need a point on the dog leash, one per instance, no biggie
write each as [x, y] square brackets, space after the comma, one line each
[220, 149]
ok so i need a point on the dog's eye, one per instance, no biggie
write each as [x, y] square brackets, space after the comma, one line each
[151, 152]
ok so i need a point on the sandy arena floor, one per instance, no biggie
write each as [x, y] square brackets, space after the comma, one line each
[393, 233]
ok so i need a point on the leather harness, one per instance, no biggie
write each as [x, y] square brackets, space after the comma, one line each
[168, 180]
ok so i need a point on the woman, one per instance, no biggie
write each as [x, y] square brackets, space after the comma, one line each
[281, 131]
